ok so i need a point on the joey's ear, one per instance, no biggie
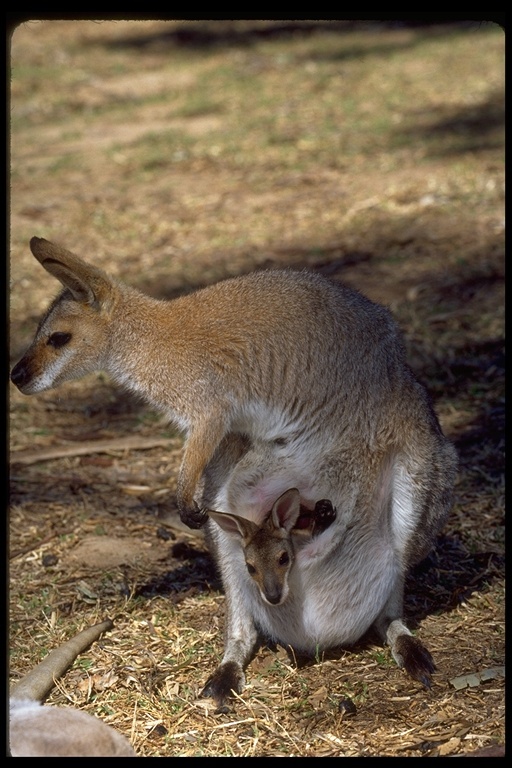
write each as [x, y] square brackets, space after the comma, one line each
[88, 284]
[286, 510]
[237, 526]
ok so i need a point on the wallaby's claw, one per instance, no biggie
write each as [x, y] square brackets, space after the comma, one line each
[193, 516]
[228, 677]
[417, 661]
[325, 514]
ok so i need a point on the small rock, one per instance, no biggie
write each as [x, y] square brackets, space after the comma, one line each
[347, 708]
[49, 560]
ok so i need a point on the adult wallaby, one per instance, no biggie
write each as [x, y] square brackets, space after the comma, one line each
[280, 379]
[269, 548]
[36, 731]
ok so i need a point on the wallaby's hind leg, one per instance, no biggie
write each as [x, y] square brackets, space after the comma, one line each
[408, 652]
[229, 675]
[241, 636]
[421, 500]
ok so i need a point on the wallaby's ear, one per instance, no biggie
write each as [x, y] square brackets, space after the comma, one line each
[286, 510]
[88, 284]
[233, 524]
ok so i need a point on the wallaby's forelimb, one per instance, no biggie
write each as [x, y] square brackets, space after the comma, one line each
[202, 441]
[38, 683]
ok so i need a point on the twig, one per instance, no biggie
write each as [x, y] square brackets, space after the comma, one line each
[31, 547]
[36, 685]
[92, 446]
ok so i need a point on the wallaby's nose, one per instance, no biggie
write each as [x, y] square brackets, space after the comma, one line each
[19, 374]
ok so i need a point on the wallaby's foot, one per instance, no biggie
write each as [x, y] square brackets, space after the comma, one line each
[324, 515]
[228, 677]
[412, 655]
[193, 516]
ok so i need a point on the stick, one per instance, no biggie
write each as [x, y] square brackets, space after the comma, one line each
[92, 446]
[37, 684]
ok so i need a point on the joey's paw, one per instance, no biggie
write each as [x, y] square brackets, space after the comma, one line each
[228, 677]
[417, 661]
[325, 514]
[193, 516]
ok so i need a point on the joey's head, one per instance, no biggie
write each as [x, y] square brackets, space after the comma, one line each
[71, 338]
[268, 548]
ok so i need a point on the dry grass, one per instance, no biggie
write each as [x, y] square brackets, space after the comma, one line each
[173, 155]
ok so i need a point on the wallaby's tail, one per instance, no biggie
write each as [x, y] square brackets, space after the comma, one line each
[38, 683]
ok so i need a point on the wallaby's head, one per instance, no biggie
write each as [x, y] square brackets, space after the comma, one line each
[72, 336]
[268, 548]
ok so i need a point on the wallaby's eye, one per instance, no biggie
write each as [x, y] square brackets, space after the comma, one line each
[58, 340]
[284, 559]
[251, 569]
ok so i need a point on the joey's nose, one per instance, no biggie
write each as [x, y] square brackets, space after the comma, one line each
[274, 598]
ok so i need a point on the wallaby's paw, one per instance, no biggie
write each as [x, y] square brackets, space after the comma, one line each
[193, 516]
[325, 514]
[417, 661]
[227, 678]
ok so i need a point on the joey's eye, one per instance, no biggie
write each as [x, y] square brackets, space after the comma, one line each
[284, 559]
[58, 340]
[251, 569]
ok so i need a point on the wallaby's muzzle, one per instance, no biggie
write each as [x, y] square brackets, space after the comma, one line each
[21, 374]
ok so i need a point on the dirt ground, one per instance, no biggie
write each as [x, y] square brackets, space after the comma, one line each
[174, 154]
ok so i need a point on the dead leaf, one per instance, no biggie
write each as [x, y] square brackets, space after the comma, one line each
[448, 747]
[101, 682]
[473, 679]
[319, 696]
